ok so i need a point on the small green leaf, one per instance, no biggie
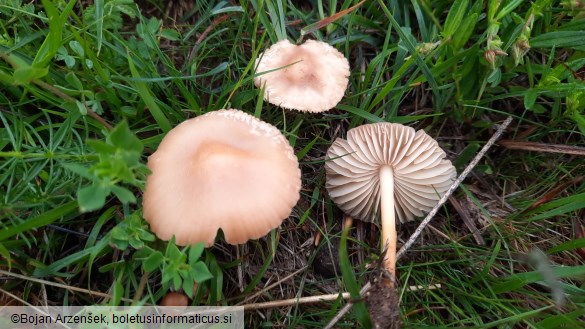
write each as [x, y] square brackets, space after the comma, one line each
[153, 261]
[119, 233]
[454, 17]
[173, 253]
[123, 194]
[92, 197]
[77, 48]
[101, 147]
[74, 80]
[495, 77]
[80, 107]
[169, 34]
[188, 285]
[508, 8]
[122, 137]
[118, 292]
[147, 32]
[136, 243]
[146, 236]
[177, 281]
[530, 98]
[200, 272]
[24, 75]
[195, 252]
[465, 31]
[166, 276]
[120, 244]
[78, 169]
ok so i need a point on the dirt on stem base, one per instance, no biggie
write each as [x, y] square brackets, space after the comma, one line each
[382, 303]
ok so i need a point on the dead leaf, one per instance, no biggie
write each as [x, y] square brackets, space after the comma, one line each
[328, 20]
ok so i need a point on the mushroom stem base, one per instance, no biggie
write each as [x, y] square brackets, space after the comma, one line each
[388, 219]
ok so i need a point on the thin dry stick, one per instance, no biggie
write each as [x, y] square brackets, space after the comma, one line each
[36, 308]
[249, 298]
[453, 187]
[15, 297]
[68, 98]
[141, 286]
[317, 299]
[63, 286]
[418, 231]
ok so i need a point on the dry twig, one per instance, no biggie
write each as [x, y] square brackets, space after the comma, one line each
[62, 286]
[542, 147]
[265, 289]
[321, 298]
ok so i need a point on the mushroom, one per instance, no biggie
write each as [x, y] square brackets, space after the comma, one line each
[311, 77]
[225, 169]
[388, 168]
[175, 299]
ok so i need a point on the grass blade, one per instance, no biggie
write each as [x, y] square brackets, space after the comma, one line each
[39, 221]
[148, 99]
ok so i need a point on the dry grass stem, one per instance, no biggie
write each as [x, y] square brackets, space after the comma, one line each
[62, 286]
[542, 147]
[267, 288]
[321, 298]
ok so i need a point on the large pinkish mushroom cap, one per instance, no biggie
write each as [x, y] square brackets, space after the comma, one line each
[314, 77]
[225, 169]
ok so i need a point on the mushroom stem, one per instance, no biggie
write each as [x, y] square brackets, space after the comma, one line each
[389, 235]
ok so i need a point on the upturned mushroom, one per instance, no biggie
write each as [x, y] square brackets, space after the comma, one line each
[223, 170]
[311, 77]
[390, 169]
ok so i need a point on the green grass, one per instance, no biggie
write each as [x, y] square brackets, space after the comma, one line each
[70, 185]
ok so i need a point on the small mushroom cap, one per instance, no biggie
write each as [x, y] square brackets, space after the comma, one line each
[174, 299]
[315, 81]
[225, 169]
[421, 172]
